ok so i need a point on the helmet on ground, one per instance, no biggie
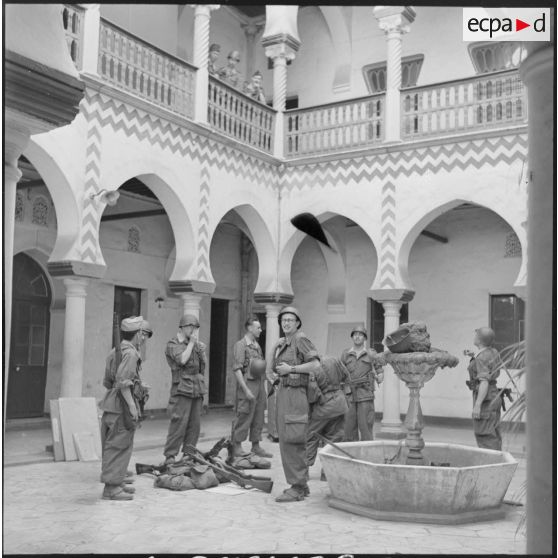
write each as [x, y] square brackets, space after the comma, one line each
[359, 329]
[486, 336]
[258, 367]
[189, 320]
[290, 310]
[146, 328]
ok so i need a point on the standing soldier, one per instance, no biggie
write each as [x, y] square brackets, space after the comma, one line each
[120, 408]
[361, 364]
[484, 369]
[295, 361]
[249, 372]
[186, 358]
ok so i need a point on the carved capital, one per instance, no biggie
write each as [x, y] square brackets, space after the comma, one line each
[191, 286]
[281, 46]
[273, 298]
[392, 295]
[395, 20]
[205, 9]
[252, 30]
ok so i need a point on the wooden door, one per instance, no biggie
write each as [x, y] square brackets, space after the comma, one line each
[218, 350]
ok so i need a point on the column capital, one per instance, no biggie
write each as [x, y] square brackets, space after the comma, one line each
[191, 286]
[77, 269]
[395, 20]
[281, 46]
[392, 295]
[273, 298]
[76, 286]
[252, 29]
[205, 9]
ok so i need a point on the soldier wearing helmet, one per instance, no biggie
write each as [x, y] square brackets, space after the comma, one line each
[364, 372]
[249, 372]
[484, 369]
[186, 358]
[295, 360]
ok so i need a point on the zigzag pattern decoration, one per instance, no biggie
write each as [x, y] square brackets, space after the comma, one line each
[391, 166]
[169, 136]
[203, 228]
[387, 247]
[89, 245]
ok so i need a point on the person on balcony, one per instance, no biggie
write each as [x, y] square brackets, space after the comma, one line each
[254, 88]
[230, 73]
[214, 53]
[360, 361]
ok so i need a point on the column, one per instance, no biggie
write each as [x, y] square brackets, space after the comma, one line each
[202, 14]
[90, 38]
[251, 31]
[394, 21]
[272, 334]
[391, 420]
[74, 337]
[191, 303]
[537, 73]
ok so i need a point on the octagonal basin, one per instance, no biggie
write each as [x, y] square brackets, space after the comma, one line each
[470, 489]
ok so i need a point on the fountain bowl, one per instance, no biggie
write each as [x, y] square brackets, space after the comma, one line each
[471, 489]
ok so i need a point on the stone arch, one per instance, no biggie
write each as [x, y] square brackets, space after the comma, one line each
[413, 230]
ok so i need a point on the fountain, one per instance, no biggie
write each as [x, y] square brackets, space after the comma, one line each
[429, 483]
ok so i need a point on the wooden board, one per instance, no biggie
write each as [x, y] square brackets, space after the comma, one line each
[78, 414]
[85, 446]
[57, 445]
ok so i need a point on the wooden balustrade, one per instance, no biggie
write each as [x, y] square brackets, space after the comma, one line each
[72, 19]
[488, 101]
[134, 65]
[238, 116]
[334, 127]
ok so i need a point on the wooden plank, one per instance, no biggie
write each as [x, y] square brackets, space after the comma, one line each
[78, 414]
[57, 445]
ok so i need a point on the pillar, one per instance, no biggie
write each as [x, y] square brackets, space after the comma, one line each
[90, 40]
[202, 14]
[74, 337]
[394, 21]
[272, 334]
[191, 303]
[251, 31]
[537, 72]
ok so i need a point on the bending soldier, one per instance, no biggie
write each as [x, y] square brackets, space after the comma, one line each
[484, 369]
[360, 362]
[186, 358]
[249, 372]
[295, 361]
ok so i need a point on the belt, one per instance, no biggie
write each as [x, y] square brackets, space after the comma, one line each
[360, 381]
[294, 380]
[328, 390]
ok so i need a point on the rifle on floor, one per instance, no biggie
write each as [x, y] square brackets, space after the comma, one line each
[157, 470]
[326, 441]
[265, 484]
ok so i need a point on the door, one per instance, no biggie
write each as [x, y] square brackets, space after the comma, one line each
[29, 339]
[127, 302]
[218, 350]
[507, 315]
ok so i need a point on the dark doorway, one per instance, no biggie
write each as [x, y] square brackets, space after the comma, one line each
[376, 329]
[29, 339]
[218, 351]
[507, 318]
[127, 302]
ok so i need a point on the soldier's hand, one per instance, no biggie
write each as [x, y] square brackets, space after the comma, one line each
[476, 412]
[134, 412]
[380, 377]
[201, 345]
[180, 336]
[249, 395]
[283, 369]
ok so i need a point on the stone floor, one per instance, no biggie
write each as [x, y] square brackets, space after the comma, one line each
[56, 508]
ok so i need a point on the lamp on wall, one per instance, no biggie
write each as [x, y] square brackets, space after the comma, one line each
[110, 197]
[159, 300]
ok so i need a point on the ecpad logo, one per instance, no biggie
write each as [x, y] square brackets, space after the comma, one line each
[506, 24]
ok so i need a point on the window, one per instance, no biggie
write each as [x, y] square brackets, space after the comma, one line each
[127, 302]
[496, 56]
[507, 319]
[375, 75]
[513, 246]
[40, 211]
[376, 329]
[133, 239]
[19, 211]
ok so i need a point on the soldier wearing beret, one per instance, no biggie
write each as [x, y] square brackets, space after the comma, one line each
[121, 410]
[230, 73]
[186, 358]
[214, 52]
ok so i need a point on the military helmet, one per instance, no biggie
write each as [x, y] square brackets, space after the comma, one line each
[258, 367]
[359, 329]
[133, 323]
[146, 328]
[486, 336]
[290, 310]
[189, 320]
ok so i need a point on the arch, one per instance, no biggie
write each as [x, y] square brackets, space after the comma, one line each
[414, 229]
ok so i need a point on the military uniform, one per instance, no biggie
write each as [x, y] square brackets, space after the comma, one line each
[485, 366]
[117, 439]
[249, 414]
[360, 416]
[186, 397]
[327, 416]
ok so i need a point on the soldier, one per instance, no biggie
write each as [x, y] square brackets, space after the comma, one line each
[294, 363]
[121, 411]
[484, 369]
[360, 362]
[214, 52]
[254, 88]
[186, 358]
[230, 73]
[327, 416]
[249, 372]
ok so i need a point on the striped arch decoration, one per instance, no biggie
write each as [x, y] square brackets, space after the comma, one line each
[387, 247]
[204, 271]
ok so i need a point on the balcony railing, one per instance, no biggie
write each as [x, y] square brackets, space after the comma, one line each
[72, 19]
[134, 65]
[488, 101]
[240, 117]
[334, 127]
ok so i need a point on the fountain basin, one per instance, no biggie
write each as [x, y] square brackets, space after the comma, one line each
[471, 489]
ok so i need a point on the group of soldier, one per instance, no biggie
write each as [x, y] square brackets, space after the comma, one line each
[316, 397]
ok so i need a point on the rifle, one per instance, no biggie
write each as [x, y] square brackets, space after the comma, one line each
[265, 484]
[142, 468]
[273, 387]
[325, 440]
[216, 449]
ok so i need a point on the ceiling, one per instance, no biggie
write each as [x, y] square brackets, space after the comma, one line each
[251, 10]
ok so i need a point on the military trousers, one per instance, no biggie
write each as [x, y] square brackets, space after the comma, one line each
[359, 417]
[292, 427]
[185, 424]
[330, 428]
[249, 414]
[117, 444]
[487, 430]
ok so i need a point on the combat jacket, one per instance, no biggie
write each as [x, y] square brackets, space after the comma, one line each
[296, 350]
[331, 377]
[187, 379]
[244, 351]
[362, 374]
[126, 376]
[485, 365]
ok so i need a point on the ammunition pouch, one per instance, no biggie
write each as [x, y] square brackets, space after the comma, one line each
[174, 482]
[295, 380]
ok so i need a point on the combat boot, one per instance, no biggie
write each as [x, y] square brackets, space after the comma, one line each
[260, 452]
[128, 488]
[111, 492]
[292, 494]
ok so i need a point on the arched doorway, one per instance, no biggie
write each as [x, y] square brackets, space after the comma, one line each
[29, 340]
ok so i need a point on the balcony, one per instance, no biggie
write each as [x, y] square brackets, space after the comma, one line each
[484, 102]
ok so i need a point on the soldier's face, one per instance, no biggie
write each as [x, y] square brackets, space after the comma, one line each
[255, 329]
[289, 323]
[213, 55]
[358, 339]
